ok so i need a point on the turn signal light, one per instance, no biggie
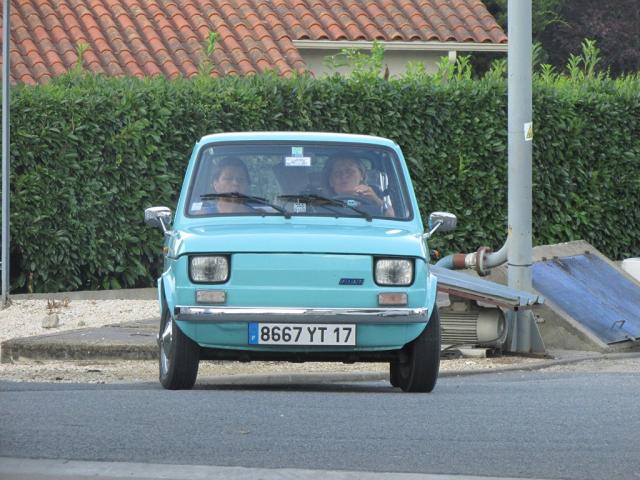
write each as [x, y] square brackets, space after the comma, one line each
[392, 299]
[211, 296]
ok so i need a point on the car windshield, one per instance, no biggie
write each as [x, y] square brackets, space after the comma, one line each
[301, 179]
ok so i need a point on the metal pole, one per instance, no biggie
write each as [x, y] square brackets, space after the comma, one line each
[525, 335]
[6, 29]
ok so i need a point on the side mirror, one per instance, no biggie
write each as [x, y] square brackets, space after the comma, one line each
[158, 217]
[443, 221]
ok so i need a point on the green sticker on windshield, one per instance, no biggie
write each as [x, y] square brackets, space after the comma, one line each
[297, 151]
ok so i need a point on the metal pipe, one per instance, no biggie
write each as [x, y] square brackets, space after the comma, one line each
[6, 93]
[498, 258]
[482, 261]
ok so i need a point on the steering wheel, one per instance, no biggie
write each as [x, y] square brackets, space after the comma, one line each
[360, 202]
[354, 200]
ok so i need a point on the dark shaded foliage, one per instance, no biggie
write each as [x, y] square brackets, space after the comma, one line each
[613, 24]
[543, 13]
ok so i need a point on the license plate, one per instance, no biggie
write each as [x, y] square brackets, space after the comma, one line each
[302, 334]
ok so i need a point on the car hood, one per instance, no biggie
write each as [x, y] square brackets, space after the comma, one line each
[368, 239]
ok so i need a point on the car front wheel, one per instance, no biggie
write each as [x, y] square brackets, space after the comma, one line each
[179, 355]
[419, 371]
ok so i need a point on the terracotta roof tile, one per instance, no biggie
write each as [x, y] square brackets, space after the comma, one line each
[168, 37]
[31, 50]
[21, 72]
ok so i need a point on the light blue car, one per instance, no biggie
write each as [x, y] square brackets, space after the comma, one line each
[298, 247]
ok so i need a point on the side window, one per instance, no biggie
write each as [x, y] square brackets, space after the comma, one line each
[394, 191]
[202, 184]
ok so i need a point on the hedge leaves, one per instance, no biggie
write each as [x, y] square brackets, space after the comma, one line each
[88, 154]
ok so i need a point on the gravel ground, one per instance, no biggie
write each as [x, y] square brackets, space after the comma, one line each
[26, 318]
[113, 371]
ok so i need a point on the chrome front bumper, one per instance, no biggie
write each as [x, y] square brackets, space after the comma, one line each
[301, 315]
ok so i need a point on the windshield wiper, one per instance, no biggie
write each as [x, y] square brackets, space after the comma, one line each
[312, 197]
[246, 199]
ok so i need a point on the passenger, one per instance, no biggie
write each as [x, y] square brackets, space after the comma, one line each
[345, 177]
[230, 175]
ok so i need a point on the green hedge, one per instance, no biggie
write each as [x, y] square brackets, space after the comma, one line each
[90, 153]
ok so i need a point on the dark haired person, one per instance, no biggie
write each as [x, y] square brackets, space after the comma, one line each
[230, 175]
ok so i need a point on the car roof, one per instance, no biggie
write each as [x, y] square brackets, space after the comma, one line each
[297, 136]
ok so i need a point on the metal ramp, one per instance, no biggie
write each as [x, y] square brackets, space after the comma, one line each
[474, 288]
[593, 293]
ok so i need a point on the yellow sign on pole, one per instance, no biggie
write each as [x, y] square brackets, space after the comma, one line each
[528, 131]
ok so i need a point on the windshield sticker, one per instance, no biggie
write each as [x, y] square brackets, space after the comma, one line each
[196, 206]
[297, 151]
[297, 161]
[299, 207]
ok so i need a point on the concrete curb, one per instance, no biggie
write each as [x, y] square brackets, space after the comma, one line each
[58, 469]
[60, 351]
[130, 341]
[121, 294]
[543, 365]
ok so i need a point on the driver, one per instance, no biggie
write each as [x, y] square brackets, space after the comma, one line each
[346, 177]
[230, 175]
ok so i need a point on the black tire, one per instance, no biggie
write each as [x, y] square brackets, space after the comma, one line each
[419, 372]
[179, 355]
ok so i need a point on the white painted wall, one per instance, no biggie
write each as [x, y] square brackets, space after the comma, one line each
[395, 60]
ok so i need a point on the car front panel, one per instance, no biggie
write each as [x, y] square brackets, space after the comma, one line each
[302, 289]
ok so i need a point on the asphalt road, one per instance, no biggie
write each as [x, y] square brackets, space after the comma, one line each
[541, 424]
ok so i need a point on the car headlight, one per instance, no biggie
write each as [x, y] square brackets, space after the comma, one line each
[209, 269]
[394, 271]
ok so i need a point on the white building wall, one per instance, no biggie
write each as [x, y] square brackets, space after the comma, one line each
[396, 60]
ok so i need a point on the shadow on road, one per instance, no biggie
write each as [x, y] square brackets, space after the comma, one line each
[369, 387]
